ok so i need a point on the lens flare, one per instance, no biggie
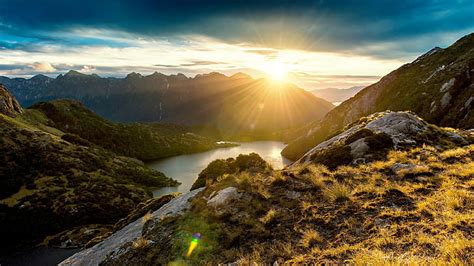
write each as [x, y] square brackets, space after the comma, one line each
[194, 243]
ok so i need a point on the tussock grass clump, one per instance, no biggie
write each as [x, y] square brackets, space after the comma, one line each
[453, 249]
[337, 192]
[309, 238]
[140, 243]
[454, 153]
[269, 216]
[147, 217]
[379, 257]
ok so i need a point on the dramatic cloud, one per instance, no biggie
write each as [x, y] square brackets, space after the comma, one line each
[43, 67]
[189, 36]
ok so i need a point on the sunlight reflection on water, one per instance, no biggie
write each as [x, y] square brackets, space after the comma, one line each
[185, 168]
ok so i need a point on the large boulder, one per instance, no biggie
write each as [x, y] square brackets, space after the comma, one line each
[372, 137]
[8, 104]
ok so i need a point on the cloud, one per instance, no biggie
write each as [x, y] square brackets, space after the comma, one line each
[43, 67]
[191, 64]
[345, 26]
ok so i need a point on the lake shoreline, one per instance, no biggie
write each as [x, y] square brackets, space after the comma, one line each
[186, 168]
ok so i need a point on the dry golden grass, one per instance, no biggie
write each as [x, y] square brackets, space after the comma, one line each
[379, 257]
[454, 153]
[268, 217]
[147, 217]
[424, 222]
[453, 248]
[309, 238]
[140, 243]
[337, 192]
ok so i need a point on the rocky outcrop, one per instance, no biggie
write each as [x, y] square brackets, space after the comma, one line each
[8, 104]
[371, 137]
[96, 254]
[223, 196]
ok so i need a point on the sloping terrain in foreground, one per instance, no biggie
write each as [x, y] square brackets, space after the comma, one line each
[411, 205]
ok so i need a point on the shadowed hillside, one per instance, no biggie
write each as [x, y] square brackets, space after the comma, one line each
[233, 105]
[51, 181]
[142, 141]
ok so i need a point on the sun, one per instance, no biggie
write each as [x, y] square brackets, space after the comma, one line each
[276, 70]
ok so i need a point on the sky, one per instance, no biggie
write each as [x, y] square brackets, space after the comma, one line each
[314, 44]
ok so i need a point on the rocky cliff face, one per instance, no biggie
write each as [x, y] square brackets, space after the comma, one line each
[8, 104]
[438, 87]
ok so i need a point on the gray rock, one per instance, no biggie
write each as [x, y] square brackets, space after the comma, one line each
[456, 137]
[223, 196]
[359, 148]
[396, 167]
[446, 99]
[402, 127]
[446, 86]
[97, 253]
[292, 194]
[468, 102]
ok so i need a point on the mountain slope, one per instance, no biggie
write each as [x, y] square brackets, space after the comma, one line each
[233, 104]
[142, 141]
[49, 183]
[437, 86]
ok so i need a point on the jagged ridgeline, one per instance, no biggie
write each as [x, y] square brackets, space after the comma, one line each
[234, 106]
[438, 86]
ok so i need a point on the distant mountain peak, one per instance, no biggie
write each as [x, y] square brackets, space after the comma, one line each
[157, 75]
[40, 77]
[72, 73]
[240, 75]
[211, 75]
[134, 75]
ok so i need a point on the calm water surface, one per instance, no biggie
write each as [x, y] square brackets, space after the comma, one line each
[186, 168]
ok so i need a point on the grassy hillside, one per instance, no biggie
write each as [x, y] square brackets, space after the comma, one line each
[438, 86]
[50, 183]
[414, 207]
[142, 141]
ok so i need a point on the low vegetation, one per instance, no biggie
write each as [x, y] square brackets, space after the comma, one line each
[59, 182]
[143, 141]
[414, 207]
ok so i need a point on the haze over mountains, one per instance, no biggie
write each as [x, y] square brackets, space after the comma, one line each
[335, 95]
[235, 104]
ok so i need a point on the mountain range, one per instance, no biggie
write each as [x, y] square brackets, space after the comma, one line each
[438, 86]
[235, 105]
